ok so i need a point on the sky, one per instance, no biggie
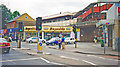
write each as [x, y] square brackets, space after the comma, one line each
[41, 8]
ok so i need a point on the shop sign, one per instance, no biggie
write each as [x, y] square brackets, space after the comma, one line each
[67, 28]
[5, 31]
[57, 28]
[45, 28]
[118, 11]
[30, 28]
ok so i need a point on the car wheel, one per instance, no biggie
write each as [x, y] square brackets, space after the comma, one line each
[52, 44]
[30, 41]
[43, 41]
[47, 44]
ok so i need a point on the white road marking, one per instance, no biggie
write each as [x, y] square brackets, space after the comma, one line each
[96, 56]
[50, 62]
[102, 58]
[69, 57]
[89, 62]
[45, 60]
[56, 63]
[19, 59]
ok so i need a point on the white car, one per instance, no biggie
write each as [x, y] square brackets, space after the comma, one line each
[34, 39]
[69, 40]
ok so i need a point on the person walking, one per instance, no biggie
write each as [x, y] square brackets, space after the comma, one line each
[59, 42]
[95, 39]
[63, 44]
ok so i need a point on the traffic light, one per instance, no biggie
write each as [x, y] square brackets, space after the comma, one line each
[39, 23]
[20, 27]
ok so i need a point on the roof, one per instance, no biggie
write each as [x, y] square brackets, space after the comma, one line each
[14, 19]
[58, 15]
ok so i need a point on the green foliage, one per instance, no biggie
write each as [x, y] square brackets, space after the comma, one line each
[15, 14]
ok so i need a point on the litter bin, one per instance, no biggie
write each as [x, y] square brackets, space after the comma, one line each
[102, 43]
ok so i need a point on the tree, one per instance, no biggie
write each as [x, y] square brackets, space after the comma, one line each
[16, 13]
[5, 15]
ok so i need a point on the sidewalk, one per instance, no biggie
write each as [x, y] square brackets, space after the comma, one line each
[89, 48]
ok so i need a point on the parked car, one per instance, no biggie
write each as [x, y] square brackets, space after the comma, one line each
[34, 39]
[69, 40]
[4, 46]
[52, 41]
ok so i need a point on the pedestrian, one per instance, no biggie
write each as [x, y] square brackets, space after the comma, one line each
[62, 41]
[59, 43]
[10, 39]
[95, 39]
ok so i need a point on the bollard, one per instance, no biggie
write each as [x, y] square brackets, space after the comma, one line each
[39, 47]
[17, 43]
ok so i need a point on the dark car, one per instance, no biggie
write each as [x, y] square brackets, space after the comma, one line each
[4, 46]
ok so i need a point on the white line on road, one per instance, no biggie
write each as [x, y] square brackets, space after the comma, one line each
[19, 59]
[96, 56]
[45, 60]
[69, 57]
[56, 63]
[89, 62]
[50, 62]
[102, 58]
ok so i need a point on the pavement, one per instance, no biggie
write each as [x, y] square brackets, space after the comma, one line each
[89, 48]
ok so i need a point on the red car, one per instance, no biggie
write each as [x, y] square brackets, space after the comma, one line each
[4, 46]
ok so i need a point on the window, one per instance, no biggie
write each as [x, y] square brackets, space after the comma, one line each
[34, 38]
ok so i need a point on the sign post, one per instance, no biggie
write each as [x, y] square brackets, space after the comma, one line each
[104, 37]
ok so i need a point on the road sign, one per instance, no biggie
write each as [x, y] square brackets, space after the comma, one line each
[40, 44]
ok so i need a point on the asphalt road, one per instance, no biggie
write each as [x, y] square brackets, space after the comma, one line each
[68, 57]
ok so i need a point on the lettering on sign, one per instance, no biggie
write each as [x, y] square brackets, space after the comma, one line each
[57, 28]
[29, 28]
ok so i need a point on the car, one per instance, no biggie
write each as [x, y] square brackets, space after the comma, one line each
[34, 39]
[4, 46]
[52, 41]
[69, 40]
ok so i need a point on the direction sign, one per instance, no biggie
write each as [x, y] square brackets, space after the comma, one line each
[40, 44]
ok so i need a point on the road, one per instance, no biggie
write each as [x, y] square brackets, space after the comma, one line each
[58, 57]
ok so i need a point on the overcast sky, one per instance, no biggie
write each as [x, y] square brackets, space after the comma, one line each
[40, 8]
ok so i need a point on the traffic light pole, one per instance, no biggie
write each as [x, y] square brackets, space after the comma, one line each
[38, 35]
[19, 40]
[104, 38]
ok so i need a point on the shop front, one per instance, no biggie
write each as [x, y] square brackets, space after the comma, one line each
[47, 32]
[55, 31]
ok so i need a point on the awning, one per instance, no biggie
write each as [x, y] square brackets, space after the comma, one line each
[101, 22]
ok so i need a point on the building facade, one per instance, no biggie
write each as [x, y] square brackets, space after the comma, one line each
[58, 24]
[12, 25]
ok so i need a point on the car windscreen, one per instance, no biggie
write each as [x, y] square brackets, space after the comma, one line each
[2, 40]
[53, 39]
